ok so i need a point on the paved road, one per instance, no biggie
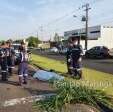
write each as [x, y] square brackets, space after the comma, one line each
[103, 65]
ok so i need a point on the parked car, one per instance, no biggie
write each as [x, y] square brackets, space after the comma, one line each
[17, 52]
[54, 50]
[16, 49]
[97, 52]
[111, 53]
[63, 51]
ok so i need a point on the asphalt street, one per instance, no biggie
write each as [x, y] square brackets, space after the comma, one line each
[103, 65]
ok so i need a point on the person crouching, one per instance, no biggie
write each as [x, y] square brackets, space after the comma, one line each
[23, 65]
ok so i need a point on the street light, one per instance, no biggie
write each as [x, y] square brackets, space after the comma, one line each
[79, 33]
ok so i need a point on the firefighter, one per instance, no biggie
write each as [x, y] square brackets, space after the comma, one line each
[23, 65]
[3, 62]
[68, 56]
[10, 58]
[76, 56]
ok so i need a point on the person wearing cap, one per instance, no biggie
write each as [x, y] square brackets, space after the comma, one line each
[10, 57]
[23, 65]
[76, 53]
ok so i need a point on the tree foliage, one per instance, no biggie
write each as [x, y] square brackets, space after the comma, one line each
[69, 93]
[33, 41]
[18, 41]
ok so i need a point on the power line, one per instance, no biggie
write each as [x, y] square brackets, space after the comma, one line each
[69, 14]
[62, 17]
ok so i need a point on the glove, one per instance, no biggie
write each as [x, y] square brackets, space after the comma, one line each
[79, 60]
[69, 60]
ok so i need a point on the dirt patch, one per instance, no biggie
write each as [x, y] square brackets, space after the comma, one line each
[10, 90]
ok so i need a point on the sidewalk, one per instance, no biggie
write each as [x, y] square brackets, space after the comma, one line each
[10, 91]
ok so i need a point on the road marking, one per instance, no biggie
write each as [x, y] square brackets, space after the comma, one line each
[25, 100]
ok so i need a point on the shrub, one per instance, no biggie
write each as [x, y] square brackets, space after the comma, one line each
[70, 93]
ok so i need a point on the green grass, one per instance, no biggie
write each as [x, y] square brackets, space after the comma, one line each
[92, 78]
[68, 93]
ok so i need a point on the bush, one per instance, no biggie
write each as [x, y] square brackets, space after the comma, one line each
[70, 93]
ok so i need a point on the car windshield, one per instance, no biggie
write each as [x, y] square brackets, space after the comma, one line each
[16, 47]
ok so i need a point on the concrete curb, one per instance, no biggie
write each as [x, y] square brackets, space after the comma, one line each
[25, 100]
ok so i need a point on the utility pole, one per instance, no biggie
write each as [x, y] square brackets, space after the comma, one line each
[87, 8]
[37, 35]
[41, 31]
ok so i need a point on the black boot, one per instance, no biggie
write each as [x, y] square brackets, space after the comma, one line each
[10, 71]
[78, 74]
[25, 80]
[4, 76]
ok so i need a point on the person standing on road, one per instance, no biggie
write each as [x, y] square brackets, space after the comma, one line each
[3, 62]
[23, 65]
[68, 56]
[10, 57]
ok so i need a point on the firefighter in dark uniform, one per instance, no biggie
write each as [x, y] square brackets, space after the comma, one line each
[23, 65]
[10, 57]
[68, 56]
[74, 57]
[3, 62]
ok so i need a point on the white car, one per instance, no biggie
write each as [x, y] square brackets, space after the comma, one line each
[63, 51]
[54, 49]
[16, 47]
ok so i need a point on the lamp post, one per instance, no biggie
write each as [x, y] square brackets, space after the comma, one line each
[79, 33]
[85, 19]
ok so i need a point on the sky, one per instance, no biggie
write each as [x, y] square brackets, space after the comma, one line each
[23, 18]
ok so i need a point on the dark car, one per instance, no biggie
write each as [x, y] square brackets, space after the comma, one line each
[16, 50]
[97, 52]
[17, 53]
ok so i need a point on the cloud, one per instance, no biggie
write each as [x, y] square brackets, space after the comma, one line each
[41, 2]
[20, 17]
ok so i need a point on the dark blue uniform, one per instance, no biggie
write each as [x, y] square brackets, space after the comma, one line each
[23, 67]
[74, 54]
[10, 59]
[3, 63]
[69, 59]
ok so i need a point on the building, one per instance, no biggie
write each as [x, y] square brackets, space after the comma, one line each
[44, 45]
[97, 36]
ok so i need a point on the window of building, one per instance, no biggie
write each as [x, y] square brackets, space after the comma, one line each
[75, 34]
[95, 31]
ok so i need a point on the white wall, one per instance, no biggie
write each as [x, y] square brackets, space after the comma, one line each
[105, 39]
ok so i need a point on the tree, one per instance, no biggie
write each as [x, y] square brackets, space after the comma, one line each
[33, 41]
[18, 41]
[1, 41]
